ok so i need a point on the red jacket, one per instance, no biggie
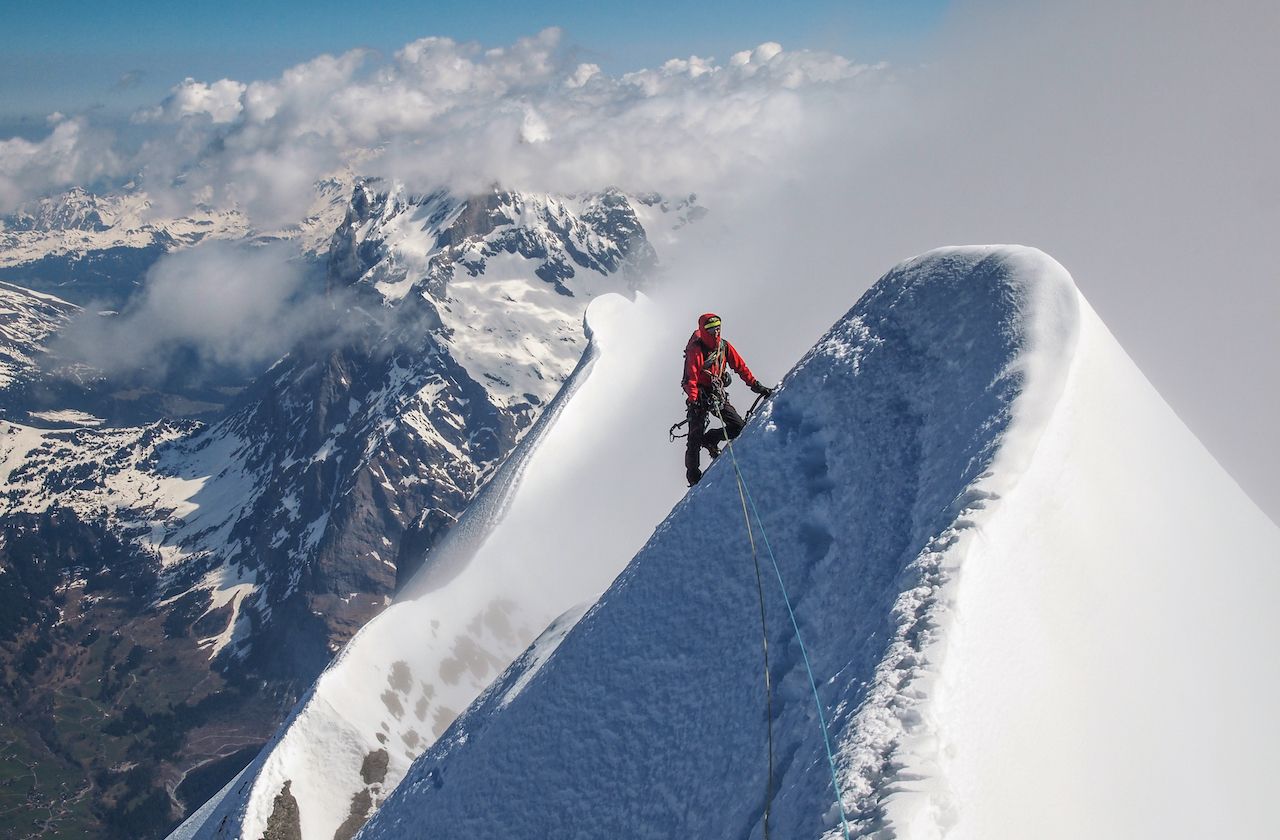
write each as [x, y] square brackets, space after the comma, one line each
[704, 363]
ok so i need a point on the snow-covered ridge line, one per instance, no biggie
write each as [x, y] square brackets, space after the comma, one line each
[451, 554]
[892, 740]
[319, 757]
[1011, 564]
[78, 222]
[880, 453]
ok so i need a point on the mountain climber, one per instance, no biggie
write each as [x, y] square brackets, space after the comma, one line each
[705, 385]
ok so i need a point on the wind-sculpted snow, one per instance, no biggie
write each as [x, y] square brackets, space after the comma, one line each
[648, 719]
[934, 476]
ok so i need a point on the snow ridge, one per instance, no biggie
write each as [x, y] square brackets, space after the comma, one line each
[872, 466]
[892, 730]
[401, 680]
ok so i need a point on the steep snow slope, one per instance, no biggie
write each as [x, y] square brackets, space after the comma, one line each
[519, 557]
[1118, 600]
[1023, 585]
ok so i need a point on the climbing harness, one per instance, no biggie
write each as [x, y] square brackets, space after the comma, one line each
[744, 494]
[671, 433]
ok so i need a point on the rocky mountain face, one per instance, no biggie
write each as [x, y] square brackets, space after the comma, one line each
[170, 588]
[27, 320]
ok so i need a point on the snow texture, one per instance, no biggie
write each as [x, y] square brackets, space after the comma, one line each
[1030, 597]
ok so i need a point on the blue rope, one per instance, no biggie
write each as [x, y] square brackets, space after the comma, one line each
[813, 683]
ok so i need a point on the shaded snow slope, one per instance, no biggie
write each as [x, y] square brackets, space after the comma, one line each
[1027, 592]
[1119, 601]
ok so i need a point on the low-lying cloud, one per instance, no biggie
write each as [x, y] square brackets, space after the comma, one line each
[219, 306]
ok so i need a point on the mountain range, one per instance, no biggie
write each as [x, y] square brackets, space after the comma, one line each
[179, 560]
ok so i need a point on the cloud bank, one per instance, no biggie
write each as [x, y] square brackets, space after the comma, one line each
[1133, 142]
[442, 113]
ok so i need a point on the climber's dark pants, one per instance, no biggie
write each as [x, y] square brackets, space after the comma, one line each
[700, 436]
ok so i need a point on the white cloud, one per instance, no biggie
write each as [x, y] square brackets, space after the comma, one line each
[220, 101]
[582, 75]
[443, 113]
[233, 305]
[73, 153]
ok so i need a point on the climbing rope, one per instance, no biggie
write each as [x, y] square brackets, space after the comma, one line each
[745, 493]
[764, 641]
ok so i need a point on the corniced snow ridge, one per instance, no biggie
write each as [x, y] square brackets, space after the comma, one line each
[1034, 603]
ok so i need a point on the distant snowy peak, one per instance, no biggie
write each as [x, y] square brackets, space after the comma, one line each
[78, 222]
[76, 209]
[506, 275]
[393, 240]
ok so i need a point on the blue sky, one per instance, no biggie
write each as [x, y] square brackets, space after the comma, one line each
[74, 55]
